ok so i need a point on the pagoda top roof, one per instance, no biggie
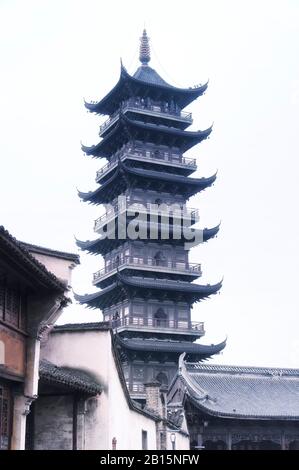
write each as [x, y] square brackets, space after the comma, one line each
[242, 392]
[124, 285]
[149, 75]
[144, 82]
[125, 175]
[127, 129]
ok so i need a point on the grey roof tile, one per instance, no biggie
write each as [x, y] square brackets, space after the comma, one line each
[250, 392]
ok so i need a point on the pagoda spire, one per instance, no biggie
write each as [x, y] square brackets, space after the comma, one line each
[144, 50]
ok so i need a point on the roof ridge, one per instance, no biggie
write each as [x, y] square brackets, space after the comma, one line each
[39, 249]
[238, 368]
[36, 264]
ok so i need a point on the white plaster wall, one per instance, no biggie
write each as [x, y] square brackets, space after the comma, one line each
[59, 267]
[108, 416]
[181, 441]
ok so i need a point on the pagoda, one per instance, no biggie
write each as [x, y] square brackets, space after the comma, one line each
[146, 283]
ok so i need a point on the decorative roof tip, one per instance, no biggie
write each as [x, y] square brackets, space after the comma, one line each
[144, 51]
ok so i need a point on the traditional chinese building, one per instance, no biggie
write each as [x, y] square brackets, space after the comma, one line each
[83, 401]
[237, 408]
[31, 299]
[146, 283]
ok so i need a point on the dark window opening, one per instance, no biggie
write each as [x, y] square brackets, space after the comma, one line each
[144, 440]
[160, 318]
[5, 417]
[12, 306]
[162, 378]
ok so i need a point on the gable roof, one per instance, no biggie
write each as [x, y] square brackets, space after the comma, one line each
[21, 260]
[49, 252]
[242, 392]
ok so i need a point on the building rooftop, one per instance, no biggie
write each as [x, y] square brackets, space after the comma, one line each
[171, 346]
[145, 178]
[26, 264]
[81, 327]
[118, 290]
[243, 392]
[74, 379]
[49, 252]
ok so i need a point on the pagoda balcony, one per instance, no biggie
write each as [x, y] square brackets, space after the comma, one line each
[143, 155]
[154, 324]
[155, 110]
[189, 216]
[148, 264]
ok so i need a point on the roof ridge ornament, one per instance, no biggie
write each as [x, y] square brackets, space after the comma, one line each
[144, 50]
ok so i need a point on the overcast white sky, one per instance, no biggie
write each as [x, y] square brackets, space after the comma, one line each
[55, 53]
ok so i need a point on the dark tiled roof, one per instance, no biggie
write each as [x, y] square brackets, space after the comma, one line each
[152, 345]
[107, 242]
[144, 77]
[49, 252]
[125, 127]
[20, 254]
[164, 284]
[113, 293]
[148, 75]
[72, 378]
[243, 392]
[81, 327]
[189, 186]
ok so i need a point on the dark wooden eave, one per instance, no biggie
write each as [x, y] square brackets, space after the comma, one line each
[126, 130]
[125, 287]
[19, 263]
[128, 176]
[106, 243]
[145, 82]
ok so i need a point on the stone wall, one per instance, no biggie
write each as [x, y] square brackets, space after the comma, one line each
[53, 423]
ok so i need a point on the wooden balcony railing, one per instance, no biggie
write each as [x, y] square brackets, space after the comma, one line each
[159, 110]
[141, 322]
[148, 264]
[182, 213]
[144, 155]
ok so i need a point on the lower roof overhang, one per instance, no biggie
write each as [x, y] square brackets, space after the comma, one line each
[129, 177]
[110, 240]
[126, 130]
[130, 287]
[176, 348]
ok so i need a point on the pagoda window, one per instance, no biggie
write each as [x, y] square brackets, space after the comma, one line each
[182, 314]
[138, 309]
[161, 318]
[160, 259]
[138, 374]
[162, 379]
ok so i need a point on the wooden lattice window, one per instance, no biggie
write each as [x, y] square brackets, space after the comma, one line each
[5, 417]
[2, 300]
[12, 306]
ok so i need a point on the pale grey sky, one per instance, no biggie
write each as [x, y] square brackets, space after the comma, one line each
[55, 53]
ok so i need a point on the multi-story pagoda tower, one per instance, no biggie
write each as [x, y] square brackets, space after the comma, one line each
[146, 282]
